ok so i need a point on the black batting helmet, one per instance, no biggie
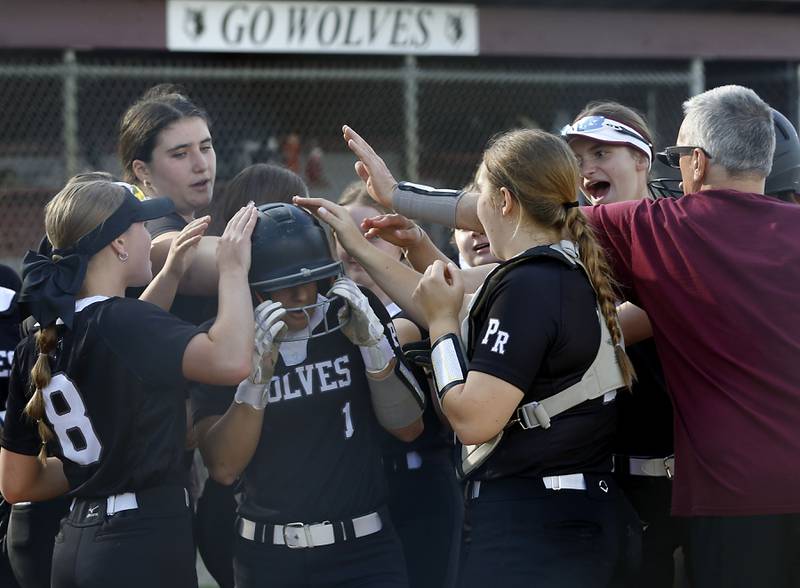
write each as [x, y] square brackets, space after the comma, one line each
[784, 179]
[290, 248]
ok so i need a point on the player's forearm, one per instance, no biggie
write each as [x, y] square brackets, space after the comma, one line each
[229, 444]
[424, 253]
[468, 407]
[445, 207]
[232, 333]
[161, 290]
[200, 278]
[396, 279]
[467, 213]
[26, 479]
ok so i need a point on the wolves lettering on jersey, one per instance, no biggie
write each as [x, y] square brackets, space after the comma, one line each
[318, 455]
[303, 381]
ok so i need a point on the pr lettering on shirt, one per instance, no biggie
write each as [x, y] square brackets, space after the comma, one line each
[500, 337]
[305, 380]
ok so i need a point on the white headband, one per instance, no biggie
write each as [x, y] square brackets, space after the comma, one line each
[606, 130]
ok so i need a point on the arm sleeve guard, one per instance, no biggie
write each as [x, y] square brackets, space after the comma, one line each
[426, 204]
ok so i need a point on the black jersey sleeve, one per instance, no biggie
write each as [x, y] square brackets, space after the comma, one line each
[521, 325]
[166, 224]
[148, 340]
[19, 432]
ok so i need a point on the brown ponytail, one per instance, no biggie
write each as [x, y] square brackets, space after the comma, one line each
[541, 171]
[46, 340]
[599, 274]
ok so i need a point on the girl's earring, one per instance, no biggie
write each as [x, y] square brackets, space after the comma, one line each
[122, 256]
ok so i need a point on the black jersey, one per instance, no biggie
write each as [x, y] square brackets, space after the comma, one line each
[193, 309]
[540, 333]
[645, 415]
[116, 398]
[318, 456]
[9, 327]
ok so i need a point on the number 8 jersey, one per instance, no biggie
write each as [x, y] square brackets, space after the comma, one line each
[115, 401]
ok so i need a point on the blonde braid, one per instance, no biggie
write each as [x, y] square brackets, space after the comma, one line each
[46, 340]
[599, 271]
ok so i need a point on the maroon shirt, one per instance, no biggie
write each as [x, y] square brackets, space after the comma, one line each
[718, 272]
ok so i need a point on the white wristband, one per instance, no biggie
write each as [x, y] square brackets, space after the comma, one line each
[377, 357]
[449, 367]
[252, 394]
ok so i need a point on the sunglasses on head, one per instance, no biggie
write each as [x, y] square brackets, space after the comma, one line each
[671, 156]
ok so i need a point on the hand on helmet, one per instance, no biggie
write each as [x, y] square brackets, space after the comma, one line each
[359, 322]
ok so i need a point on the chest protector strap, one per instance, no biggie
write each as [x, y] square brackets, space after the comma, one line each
[603, 377]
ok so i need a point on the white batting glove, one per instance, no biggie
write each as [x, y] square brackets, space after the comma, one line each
[269, 325]
[358, 320]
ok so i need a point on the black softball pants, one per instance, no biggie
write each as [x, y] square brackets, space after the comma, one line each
[147, 547]
[32, 530]
[519, 534]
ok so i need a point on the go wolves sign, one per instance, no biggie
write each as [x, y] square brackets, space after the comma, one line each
[322, 27]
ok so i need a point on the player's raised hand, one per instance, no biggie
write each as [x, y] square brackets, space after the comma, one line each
[371, 168]
[348, 234]
[269, 327]
[440, 292]
[233, 249]
[393, 228]
[183, 248]
[359, 322]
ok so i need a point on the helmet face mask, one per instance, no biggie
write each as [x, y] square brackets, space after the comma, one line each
[290, 248]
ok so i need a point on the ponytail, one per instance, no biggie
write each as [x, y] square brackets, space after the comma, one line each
[541, 171]
[46, 340]
[599, 271]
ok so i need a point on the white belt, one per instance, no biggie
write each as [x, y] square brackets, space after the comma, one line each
[301, 535]
[119, 502]
[126, 501]
[116, 503]
[659, 467]
[568, 482]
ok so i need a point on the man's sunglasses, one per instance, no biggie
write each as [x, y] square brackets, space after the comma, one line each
[671, 156]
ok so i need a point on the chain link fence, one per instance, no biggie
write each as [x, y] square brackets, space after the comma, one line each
[429, 118]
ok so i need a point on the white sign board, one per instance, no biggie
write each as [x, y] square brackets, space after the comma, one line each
[322, 27]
